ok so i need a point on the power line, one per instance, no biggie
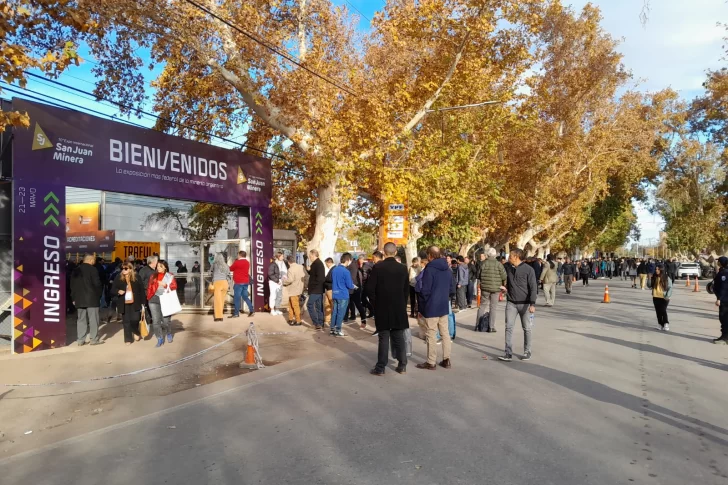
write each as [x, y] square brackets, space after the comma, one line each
[289, 57]
[465, 106]
[359, 11]
[121, 105]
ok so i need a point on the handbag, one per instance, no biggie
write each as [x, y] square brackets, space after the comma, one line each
[143, 325]
[211, 288]
[169, 302]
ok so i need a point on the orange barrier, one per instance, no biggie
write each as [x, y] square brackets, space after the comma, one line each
[606, 294]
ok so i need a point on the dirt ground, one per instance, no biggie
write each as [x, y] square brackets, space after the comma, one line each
[40, 408]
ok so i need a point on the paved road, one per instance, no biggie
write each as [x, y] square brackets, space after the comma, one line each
[607, 399]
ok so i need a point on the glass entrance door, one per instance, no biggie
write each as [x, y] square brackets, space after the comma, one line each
[194, 279]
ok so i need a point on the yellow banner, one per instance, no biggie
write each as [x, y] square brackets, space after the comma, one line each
[140, 250]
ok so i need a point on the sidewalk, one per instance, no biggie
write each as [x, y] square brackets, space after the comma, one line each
[50, 406]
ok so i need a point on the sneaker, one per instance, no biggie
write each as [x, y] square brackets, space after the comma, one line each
[169, 338]
[234, 316]
[363, 325]
[340, 334]
[160, 342]
[97, 342]
[251, 314]
[506, 358]
[317, 327]
[720, 341]
[667, 327]
[81, 344]
[526, 356]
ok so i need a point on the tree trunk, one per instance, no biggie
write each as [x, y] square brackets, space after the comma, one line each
[328, 211]
[415, 233]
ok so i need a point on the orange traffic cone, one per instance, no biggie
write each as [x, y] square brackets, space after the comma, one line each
[606, 294]
[249, 362]
[687, 283]
[478, 299]
[697, 286]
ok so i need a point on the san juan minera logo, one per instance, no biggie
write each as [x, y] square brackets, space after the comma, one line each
[40, 139]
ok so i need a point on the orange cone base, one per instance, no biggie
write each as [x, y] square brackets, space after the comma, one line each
[249, 362]
[697, 287]
[606, 295]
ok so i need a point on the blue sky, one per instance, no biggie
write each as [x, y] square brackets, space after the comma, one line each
[674, 49]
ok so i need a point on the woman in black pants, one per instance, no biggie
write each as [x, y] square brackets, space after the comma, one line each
[414, 270]
[584, 271]
[661, 293]
[130, 290]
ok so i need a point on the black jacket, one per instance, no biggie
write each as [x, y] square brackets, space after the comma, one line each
[86, 287]
[720, 286]
[568, 269]
[316, 278]
[328, 282]
[388, 285]
[356, 276]
[145, 273]
[522, 284]
[140, 294]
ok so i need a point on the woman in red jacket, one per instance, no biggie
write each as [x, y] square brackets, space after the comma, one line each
[163, 282]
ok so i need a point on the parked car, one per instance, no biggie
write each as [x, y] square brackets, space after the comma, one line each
[688, 269]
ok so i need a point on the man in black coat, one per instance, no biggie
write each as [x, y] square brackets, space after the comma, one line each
[316, 280]
[86, 292]
[388, 285]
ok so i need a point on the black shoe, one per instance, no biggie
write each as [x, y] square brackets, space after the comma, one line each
[234, 316]
[298, 324]
[493, 330]
[317, 327]
[291, 323]
[721, 341]
[376, 372]
[400, 370]
[506, 358]
[251, 314]
[526, 356]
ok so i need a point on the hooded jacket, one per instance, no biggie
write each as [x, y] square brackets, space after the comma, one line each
[436, 282]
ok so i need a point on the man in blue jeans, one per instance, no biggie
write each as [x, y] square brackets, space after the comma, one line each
[241, 280]
[316, 279]
[341, 283]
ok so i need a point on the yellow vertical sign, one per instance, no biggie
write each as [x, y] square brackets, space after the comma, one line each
[394, 225]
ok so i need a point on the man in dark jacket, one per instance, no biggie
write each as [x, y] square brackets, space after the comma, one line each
[388, 283]
[86, 291]
[522, 288]
[145, 274]
[720, 290]
[463, 280]
[316, 279]
[436, 283]
[569, 274]
[355, 294]
[472, 276]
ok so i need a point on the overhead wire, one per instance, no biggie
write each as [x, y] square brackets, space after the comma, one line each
[358, 11]
[285, 55]
[147, 113]
[64, 104]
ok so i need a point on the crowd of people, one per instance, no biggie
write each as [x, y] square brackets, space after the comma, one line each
[434, 287]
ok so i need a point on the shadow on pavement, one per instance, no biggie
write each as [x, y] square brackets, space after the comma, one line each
[649, 348]
[609, 395]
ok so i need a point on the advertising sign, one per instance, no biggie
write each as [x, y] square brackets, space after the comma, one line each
[138, 249]
[82, 217]
[394, 227]
[90, 242]
[67, 148]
